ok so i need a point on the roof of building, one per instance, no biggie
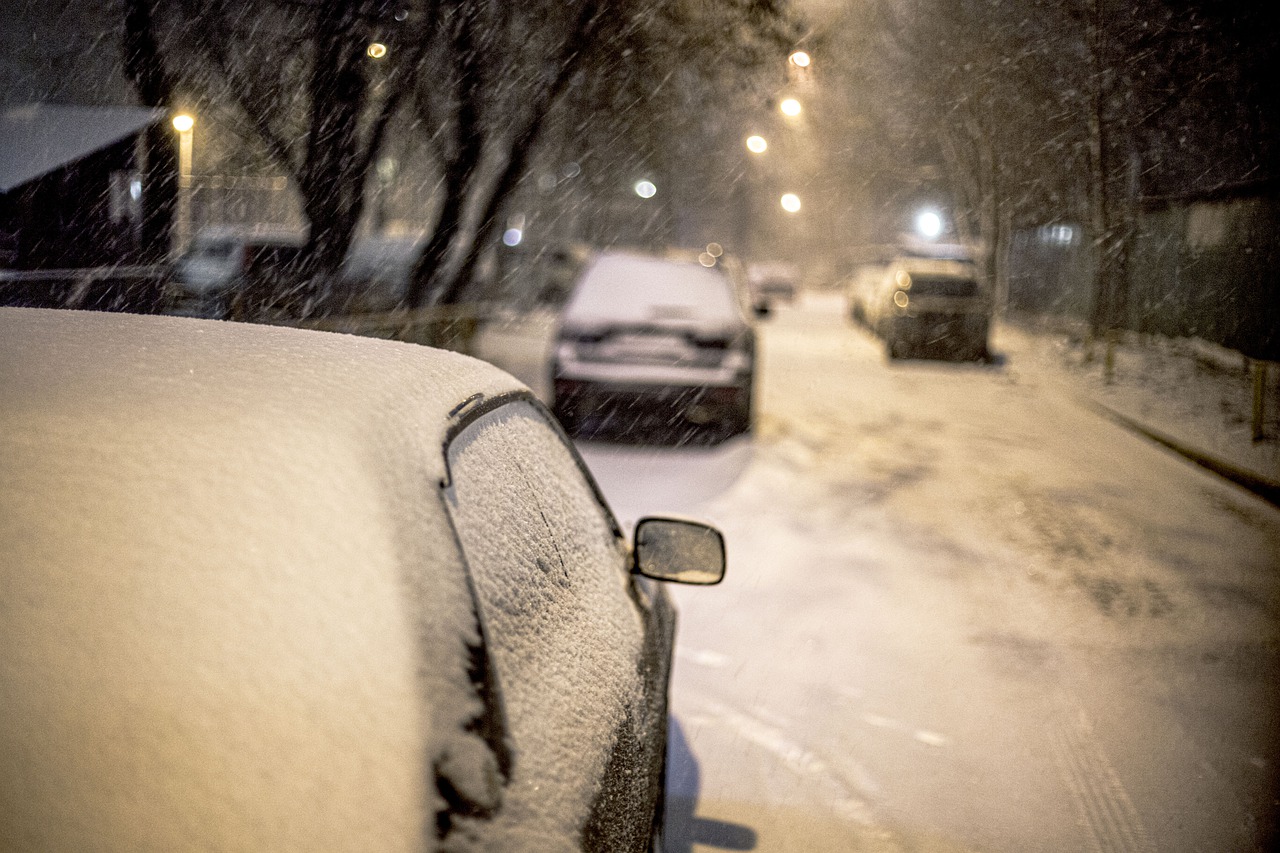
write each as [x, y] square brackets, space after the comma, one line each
[36, 139]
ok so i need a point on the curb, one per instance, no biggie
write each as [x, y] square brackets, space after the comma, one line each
[1264, 487]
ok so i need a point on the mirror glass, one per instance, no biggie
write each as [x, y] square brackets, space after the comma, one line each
[671, 549]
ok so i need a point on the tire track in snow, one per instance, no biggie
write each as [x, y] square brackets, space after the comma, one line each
[806, 764]
[1102, 805]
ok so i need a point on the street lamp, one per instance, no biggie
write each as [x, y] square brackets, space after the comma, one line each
[645, 189]
[791, 203]
[790, 107]
[929, 224]
[800, 59]
[757, 144]
[185, 125]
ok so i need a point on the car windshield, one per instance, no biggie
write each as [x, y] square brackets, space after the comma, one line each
[960, 319]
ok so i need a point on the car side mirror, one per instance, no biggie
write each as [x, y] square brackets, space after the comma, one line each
[679, 550]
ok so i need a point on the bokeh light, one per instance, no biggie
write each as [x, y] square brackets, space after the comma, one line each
[928, 223]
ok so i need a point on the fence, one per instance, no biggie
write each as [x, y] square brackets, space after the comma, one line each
[133, 289]
[451, 327]
[1202, 266]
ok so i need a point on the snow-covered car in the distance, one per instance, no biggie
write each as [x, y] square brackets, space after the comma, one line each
[931, 305]
[654, 340]
[271, 589]
[860, 290]
[772, 282]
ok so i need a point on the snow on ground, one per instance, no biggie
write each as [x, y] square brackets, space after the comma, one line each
[1198, 393]
[963, 612]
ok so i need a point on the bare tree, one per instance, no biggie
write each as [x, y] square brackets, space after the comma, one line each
[304, 75]
[517, 68]
[481, 65]
[477, 78]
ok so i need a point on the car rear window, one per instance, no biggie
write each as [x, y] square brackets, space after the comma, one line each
[637, 289]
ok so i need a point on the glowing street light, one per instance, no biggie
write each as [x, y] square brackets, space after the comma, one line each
[800, 59]
[185, 125]
[377, 50]
[756, 144]
[790, 107]
[645, 189]
[928, 224]
[791, 203]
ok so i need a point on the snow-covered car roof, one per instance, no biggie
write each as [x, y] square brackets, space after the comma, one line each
[229, 588]
[252, 391]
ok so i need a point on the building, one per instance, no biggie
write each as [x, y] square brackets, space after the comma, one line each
[71, 206]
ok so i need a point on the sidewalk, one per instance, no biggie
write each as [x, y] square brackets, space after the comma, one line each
[1190, 396]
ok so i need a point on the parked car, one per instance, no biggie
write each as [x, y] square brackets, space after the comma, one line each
[931, 306]
[232, 271]
[861, 289]
[772, 282]
[647, 339]
[376, 274]
[272, 589]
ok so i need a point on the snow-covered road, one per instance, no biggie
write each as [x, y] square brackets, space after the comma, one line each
[962, 613]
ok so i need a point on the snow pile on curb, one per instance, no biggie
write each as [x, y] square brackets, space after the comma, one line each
[1195, 392]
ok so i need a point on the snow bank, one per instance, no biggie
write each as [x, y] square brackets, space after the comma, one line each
[1196, 392]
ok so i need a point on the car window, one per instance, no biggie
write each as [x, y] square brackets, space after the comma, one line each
[640, 289]
[549, 572]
